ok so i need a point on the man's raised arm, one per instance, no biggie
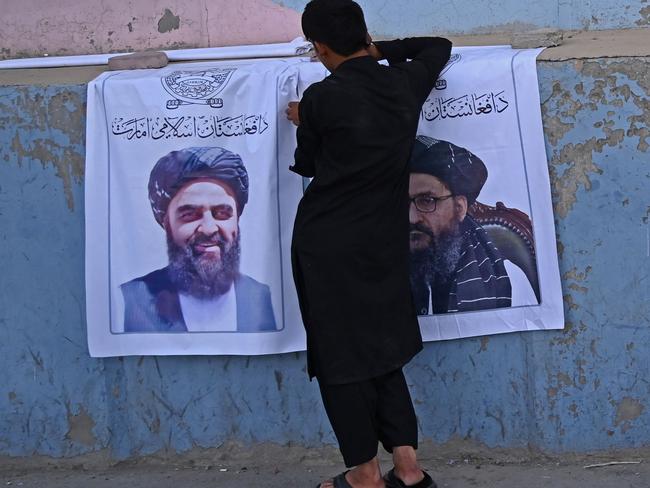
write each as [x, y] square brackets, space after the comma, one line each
[428, 56]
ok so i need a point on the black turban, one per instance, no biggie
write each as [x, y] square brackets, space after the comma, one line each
[175, 169]
[463, 172]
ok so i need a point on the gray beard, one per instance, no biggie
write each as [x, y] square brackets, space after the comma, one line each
[438, 261]
[201, 277]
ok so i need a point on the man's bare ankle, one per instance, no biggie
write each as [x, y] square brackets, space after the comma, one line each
[366, 475]
[365, 483]
[409, 476]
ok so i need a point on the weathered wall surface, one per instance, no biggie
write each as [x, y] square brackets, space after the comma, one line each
[421, 17]
[582, 389]
[33, 28]
[61, 27]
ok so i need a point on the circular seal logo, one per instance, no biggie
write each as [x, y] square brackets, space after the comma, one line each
[197, 86]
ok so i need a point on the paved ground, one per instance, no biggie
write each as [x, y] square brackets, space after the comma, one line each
[278, 467]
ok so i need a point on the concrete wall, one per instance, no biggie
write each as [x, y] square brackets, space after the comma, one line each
[394, 18]
[33, 27]
[582, 389]
[63, 27]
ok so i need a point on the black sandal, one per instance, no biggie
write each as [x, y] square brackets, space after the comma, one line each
[339, 481]
[392, 481]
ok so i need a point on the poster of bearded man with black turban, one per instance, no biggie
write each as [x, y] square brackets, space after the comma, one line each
[188, 215]
[465, 256]
[198, 195]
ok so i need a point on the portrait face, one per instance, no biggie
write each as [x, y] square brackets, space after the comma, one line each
[203, 207]
[202, 228]
[427, 227]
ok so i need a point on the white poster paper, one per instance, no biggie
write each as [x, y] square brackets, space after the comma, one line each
[203, 149]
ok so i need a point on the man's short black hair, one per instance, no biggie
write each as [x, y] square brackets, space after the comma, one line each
[337, 23]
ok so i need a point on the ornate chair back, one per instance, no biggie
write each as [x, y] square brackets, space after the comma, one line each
[511, 231]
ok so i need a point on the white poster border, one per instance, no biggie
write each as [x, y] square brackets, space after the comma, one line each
[103, 343]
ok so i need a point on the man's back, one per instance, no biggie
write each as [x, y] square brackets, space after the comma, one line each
[350, 245]
[365, 115]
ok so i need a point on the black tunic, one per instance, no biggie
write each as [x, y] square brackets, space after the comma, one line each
[350, 247]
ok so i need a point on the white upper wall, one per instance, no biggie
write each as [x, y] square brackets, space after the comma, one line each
[55, 27]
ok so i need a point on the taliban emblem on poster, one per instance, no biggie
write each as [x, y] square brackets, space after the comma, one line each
[197, 87]
[441, 84]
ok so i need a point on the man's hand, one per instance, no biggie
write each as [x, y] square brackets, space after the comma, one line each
[374, 52]
[372, 49]
[292, 113]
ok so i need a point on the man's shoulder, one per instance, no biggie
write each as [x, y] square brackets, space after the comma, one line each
[471, 227]
[315, 91]
[246, 284]
[254, 307]
[151, 304]
[327, 85]
[155, 281]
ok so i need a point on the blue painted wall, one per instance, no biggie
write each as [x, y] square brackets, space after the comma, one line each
[582, 389]
[388, 18]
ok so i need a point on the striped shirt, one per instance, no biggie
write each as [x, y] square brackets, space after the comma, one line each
[480, 281]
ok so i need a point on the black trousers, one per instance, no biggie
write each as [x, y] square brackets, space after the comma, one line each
[371, 411]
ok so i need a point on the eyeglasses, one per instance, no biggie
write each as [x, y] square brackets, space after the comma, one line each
[427, 203]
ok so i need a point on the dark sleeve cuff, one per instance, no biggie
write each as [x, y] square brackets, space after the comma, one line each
[393, 51]
[304, 170]
[400, 50]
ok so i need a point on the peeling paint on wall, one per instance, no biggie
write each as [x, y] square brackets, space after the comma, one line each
[573, 278]
[67, 27]
[569, 336]
[639, 93]
[645, 16]
[576, 164]
[278, 379]
[168, 22]
[424, 17]
[628, 410]
[80, 427]
[573, 164]
[48, 129]
[549, 390]
[563, 105]
[595, 116]
[68, 164]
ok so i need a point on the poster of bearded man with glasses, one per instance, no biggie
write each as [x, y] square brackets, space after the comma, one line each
[465, 256]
